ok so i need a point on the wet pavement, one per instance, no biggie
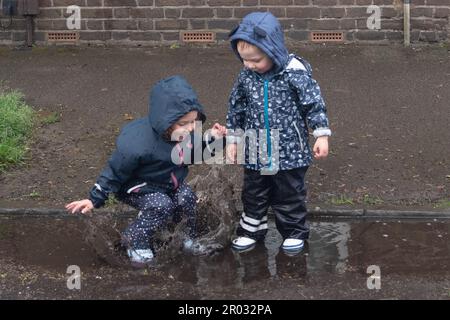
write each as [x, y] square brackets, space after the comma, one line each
[338, 262]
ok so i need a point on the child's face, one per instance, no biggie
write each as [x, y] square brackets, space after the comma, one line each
[184, 126]
[254, 59]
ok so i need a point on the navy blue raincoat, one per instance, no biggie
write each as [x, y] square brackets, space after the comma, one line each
[142, 160]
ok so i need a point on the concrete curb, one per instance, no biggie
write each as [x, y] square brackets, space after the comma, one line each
[321, 213]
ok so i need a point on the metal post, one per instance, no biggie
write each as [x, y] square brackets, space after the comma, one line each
[407, 22]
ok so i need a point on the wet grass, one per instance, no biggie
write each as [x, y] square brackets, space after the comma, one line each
[342, 200]
[111, 202]
[51, 118]
[442, 204]
[16, 124]
[371, 201]
[345, 200]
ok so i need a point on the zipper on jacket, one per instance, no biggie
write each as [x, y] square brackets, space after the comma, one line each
[266, 122]
[299, 136]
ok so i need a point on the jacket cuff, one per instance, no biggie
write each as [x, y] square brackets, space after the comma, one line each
[97, 196]
[320, 132]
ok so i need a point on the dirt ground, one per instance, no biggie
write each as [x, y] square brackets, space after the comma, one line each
[388, 108]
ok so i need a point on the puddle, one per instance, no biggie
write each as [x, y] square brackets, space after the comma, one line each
[397, 247]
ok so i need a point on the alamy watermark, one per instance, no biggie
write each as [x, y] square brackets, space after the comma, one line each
[374, 21]
[374, 281]
[252, 147]
[73, 22]
[74, 280]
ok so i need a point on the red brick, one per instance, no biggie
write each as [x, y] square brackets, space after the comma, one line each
[145, 3]
[347, 24]
[120, 35]
[197, 13]
[66, 3]
[171, 24]
[94, 3]
[332, 12]
[224, 24]
[145, 36]
[120, 25]
[249, 2]
[197, 3]
[121, 12]
[44, 3]
[172, 13]
[224, 12]
[324, 2]
[147, 13]
[104, 13]
[95, 35]
[146, 24]
[302, 2]
[294, 24]
[120, 3]
[387, 2]
[224, 3]
[160, 3]
[357, 12]
[50, 13]
[422, 12]
[324, 24]
[95, 24]
[242, 12]
[394, 35]
[198, 24]
[369, 35]
[171, 36]
[276, 2]
[437, 2]
[442, 13]
[298, 35]
[303, 12]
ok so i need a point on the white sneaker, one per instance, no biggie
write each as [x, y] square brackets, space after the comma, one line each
[243, 243]
[291, 244]
[140, 256]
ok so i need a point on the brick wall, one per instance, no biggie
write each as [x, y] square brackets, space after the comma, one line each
[161, 21]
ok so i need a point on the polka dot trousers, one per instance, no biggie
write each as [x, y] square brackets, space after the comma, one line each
[156, 209]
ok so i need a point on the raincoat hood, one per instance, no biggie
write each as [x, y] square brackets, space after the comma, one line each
[263, 30]
[171, 99]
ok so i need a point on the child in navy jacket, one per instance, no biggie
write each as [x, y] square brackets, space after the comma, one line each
[143, 173]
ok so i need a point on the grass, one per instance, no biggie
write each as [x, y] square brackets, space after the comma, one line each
[341, 201]
[34, 194]
[16, 124]
[51, 118]
[112, 201]
[369, 200]
[442, 204]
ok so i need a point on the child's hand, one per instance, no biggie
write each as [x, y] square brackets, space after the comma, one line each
[84, 205]
[232, 152]
[218, 131]
[321, 147]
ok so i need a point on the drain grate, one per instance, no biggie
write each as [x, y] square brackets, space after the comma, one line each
[63, 37]
[198, 36]
[327, 36]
